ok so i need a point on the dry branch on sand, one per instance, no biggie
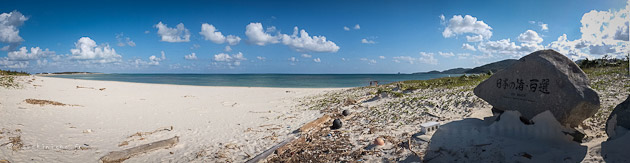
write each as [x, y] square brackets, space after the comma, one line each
[43, 102]
[120, 156]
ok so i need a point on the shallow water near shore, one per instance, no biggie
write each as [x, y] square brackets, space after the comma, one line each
[260, 80]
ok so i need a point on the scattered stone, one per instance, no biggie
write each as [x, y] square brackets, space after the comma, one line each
[543, 80]
[87, 131]
[619, 117]
[379, 141]
[345, 112]
[336, 124]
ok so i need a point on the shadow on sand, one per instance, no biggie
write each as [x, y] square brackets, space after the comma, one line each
[506, 140]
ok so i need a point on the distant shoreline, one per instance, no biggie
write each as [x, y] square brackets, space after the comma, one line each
[256, 80]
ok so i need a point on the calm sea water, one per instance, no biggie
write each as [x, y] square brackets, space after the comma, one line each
[261, 80]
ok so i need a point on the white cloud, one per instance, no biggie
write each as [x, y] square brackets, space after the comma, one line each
[530, 36]
[427, 58]
[442, 19]
[261, 58]
[306, 56]
[195, 46]
[468, 47]
[476, 38]
[5, 62]
[505, 46]
[233, 40]
[147, 32]
[463, 55]
[346, 28]
[256, 35]
[123, 41]
[381, 57]
[209, 32]
[153, 61]
[543, 27]
[227, 48]
[231, 60]
[177, 34]
[87, 51]
[191, 56]
[446, 54]
[24, 55]
[366, 41]
[317, 60]
[357, 26]
[304, 42]
[344, 59]
[9, 32]
[370, 61]
[301, 43]
[407, 59]
[603, 32]
[461, 25]
[293, 59]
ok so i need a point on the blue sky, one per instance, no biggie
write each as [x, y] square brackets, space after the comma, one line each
[360, 36]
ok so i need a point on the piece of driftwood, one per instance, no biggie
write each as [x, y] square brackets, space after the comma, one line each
[314, 123]
[120, 156]
[269, 151]
[304, 128]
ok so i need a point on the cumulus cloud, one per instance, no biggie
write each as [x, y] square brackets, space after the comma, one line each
[299, 40]
[381, 57]
[459, 25]
[603, 32]
[230, 60]
[293, 59]
[261, 58]
[123, 41]
[256, 35]
[346, 28]
[369, 61]
[427, 58]
[177, 34]
[543, 27]
[306, 56]
[191, 56]
[153, 60]
[446, 54]
[468, 47]
[6, 63]
[317, 60]
[9, 29]
[209, 32]
[407, 59]
[530, 36]
[366, 41]
[304, 42]
[87, 51]
[506, 46]
[357, 26]
[475, 38]
[227, 48]
[24, 55]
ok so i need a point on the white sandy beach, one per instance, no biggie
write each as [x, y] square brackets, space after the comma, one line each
[229, 123]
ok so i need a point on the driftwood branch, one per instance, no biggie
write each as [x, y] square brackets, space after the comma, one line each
[120, 156]
[305, 128]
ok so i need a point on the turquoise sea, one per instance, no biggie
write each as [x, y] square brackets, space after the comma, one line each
[260, 80]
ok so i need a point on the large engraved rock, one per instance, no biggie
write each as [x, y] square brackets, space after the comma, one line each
[619, 117]
[543, 80]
